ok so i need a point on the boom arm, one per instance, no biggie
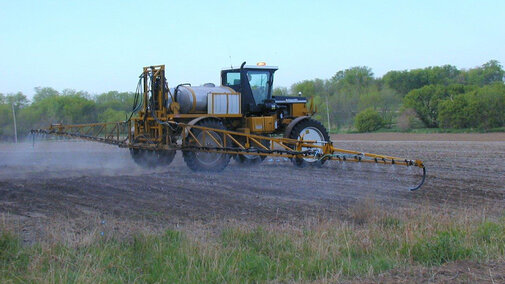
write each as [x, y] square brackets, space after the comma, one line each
[119, 133]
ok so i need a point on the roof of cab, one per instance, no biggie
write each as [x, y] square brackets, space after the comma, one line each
[253, 67]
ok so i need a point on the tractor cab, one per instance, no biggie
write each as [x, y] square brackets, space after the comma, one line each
[254, 83]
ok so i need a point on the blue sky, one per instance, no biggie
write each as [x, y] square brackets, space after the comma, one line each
[99, 46]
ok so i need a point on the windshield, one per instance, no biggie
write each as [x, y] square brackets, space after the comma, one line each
[259, 82]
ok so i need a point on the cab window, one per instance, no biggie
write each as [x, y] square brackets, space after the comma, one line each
[259, 82]
[233, 79]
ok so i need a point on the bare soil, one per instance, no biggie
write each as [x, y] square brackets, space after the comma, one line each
[390, 136]
[62, 190]
[79, 181]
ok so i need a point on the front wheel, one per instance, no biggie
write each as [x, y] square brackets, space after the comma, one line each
[309, 129]
[152, 159]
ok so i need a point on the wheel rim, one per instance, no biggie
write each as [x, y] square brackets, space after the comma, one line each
[209, 158]
[250, 157]
[314, 134]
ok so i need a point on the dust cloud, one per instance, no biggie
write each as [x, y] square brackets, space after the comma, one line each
[53, 158]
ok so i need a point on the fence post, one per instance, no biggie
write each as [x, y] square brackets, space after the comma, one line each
[15, 126]
[328, 113]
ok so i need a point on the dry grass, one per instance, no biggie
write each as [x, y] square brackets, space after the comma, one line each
[367, 243]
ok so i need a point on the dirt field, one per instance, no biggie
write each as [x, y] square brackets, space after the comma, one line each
[385, 136]
[77, 184]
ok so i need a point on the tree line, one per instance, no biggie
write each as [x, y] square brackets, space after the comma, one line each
[439, 96]
[68, 106]
[432, 97]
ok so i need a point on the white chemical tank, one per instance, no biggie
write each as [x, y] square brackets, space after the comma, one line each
[194, 99]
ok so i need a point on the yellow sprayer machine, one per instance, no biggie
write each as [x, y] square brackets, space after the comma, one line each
[211, 124]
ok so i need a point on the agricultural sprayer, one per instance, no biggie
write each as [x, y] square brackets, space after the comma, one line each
[211, 124]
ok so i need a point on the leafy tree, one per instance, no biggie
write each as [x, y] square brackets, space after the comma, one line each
[318, 90]
[425, 101]
[345, 89]
[368, 120]
[72, 92]
[280, 91]
[489, 73]
[44, 92]
[476, 108]
[457, 89]
[486, 107]
[443, 75]
[6, 128]
[385, 101]
[452, 112]
[120, 101]
[18, 100]
[112, 115]
[59, 109]
[356, 78]
[405, 81]
[309, 88]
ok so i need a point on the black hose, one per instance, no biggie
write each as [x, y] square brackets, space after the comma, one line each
[137, 102]
[176, 90]
[422, 181]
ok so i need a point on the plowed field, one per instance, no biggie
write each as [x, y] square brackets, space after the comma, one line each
[75, 182]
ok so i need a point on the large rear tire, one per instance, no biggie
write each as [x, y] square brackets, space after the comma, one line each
[206, 161]
[309, 129]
